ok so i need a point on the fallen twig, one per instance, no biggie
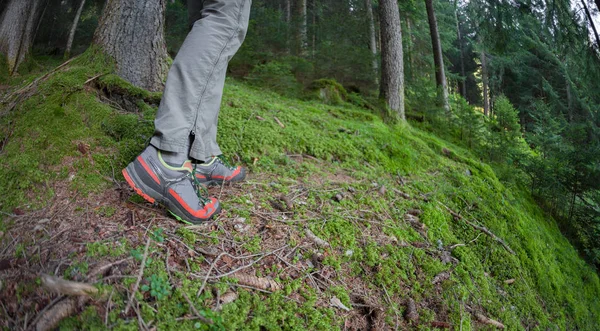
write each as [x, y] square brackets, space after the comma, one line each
[486, 320]
[67, 287]
[191, 304]
[139, 279]
[480, 228]
[320, 242]
[208, 276]
[279, 122]
[63, 307]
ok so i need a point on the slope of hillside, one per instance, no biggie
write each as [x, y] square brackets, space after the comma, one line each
[344, 221]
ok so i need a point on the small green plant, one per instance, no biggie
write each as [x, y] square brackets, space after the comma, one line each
[157, 235]
[159, 287]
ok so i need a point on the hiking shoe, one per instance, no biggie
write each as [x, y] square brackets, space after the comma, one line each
[157, 181]
[218, 171]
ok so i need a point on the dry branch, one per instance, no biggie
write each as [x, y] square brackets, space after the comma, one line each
[486, 320]
[279, 122]
[139, 279]
[483, 229]
[320, 242]
[66, 287]
[196, 313]
[49, 318]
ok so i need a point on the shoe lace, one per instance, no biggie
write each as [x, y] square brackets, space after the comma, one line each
[201, 191]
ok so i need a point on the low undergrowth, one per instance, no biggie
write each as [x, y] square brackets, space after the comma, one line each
[378, 195]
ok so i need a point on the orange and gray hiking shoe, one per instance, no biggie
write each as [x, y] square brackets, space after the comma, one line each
[218, 171]
[174, 187]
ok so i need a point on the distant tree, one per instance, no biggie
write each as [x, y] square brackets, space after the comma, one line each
[301, 29]
[392, 66]
[73, 29]
[485, 83]
[372, 36]
[591, 21]
[438, 59]
[132, 33]
[18, 25]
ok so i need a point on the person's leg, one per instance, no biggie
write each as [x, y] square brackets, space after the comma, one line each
[192, 96]
[194, 85]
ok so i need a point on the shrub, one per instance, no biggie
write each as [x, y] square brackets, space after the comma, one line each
[276, 76]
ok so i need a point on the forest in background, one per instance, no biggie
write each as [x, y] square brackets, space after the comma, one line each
[514, 82]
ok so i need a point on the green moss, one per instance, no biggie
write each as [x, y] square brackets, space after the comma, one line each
[354, 149]
[329, 91]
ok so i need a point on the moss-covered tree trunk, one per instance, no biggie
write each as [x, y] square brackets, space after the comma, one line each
[392, 65]
[18, 23]
[132, 33]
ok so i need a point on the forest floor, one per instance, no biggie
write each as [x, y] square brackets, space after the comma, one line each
[344, 222]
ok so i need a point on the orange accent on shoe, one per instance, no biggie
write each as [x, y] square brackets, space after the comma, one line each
[137, 190]
[201, 213]
[148, 170]
[235, 173]
[199, 176]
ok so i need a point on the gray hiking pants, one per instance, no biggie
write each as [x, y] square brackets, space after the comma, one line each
[194, 88]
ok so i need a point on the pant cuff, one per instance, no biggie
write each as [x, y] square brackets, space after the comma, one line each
[169, 146]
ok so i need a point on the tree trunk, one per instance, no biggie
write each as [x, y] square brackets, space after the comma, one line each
[463, 81]
[73, 29]
[484, 81]
[372, 38]
[17, 30]
[392, 67]
[132, 33]
[440, 75]
[301, 30]
[589, 16]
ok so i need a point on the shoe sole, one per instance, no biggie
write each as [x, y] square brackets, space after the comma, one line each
[132, 179]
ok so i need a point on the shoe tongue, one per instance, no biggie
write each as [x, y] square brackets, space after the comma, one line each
[188, 164]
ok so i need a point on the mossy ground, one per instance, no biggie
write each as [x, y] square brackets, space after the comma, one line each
[377, 259]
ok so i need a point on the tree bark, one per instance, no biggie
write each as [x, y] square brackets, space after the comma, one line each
[301, 30]
[132, 33]
[392, 66]
[372, 38]
[73, 29]
[440, 75]
[463, 82]
[17, 30]
[484, 81]
[589, 16]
